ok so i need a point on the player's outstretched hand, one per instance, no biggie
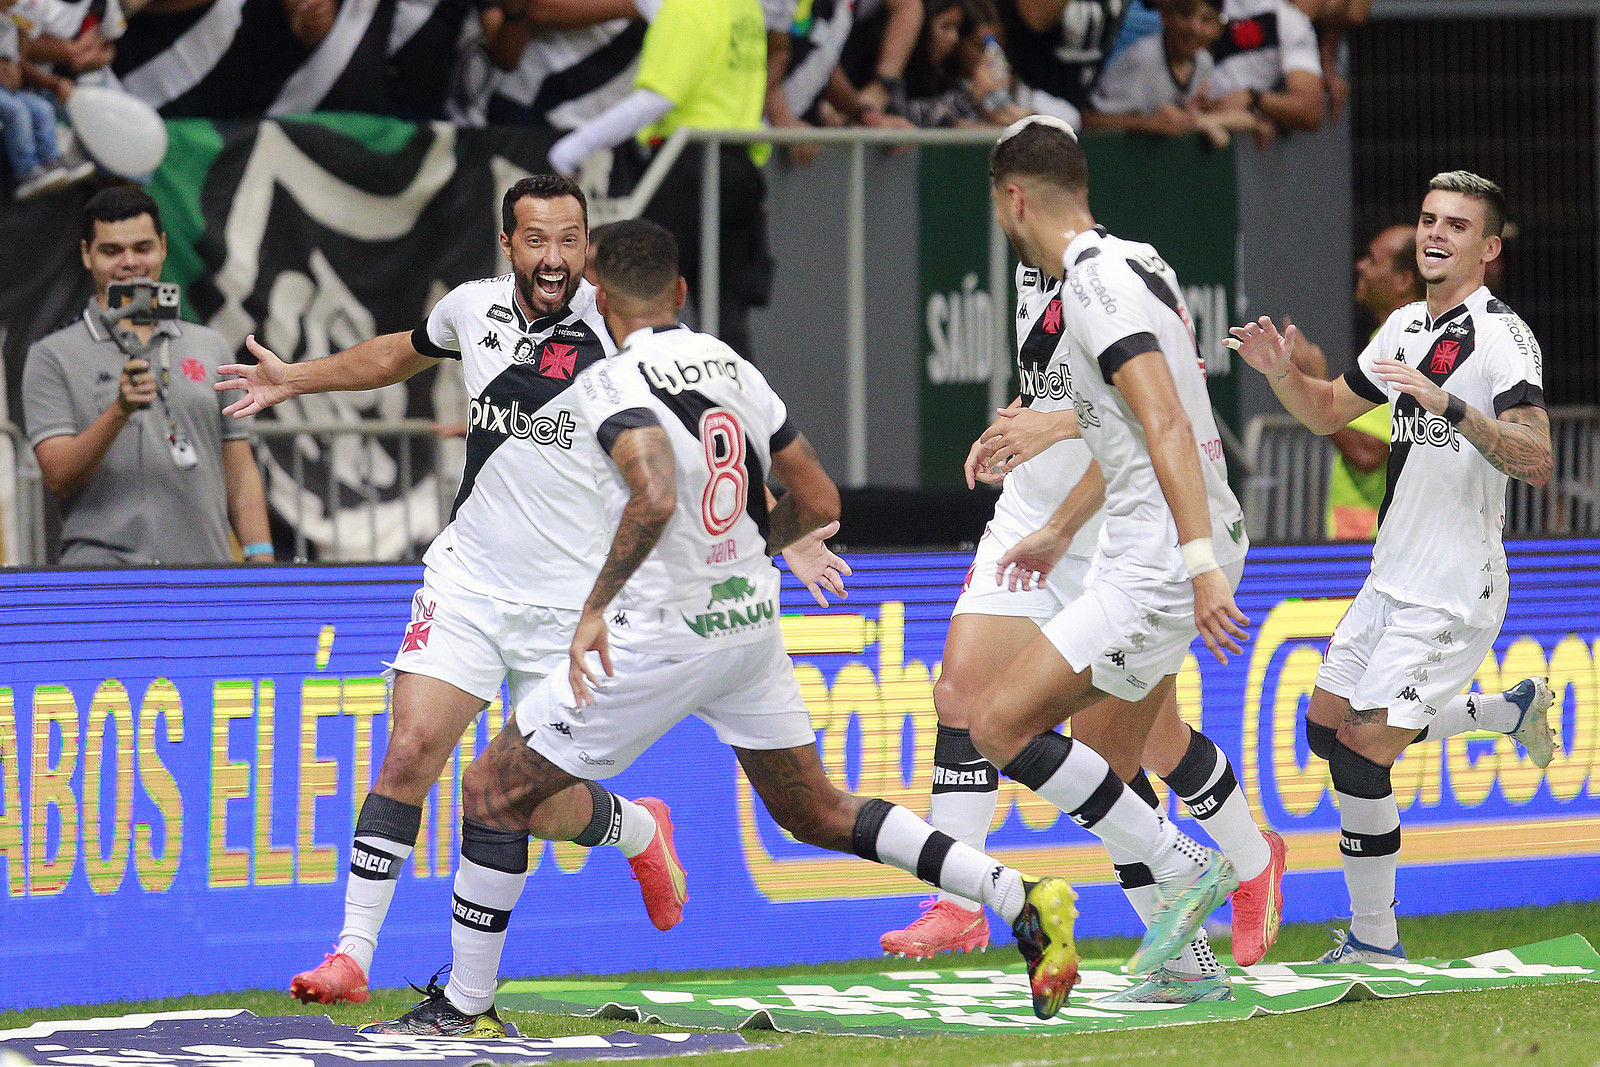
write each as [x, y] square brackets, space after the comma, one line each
[1220, 621]
[591, 636]
[1030, 561]
[813, 562]
[265, 383]
[1263, 347]
[1411, 381]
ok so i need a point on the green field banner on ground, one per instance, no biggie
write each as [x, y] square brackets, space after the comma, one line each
[1171, 192]
[978, 1001]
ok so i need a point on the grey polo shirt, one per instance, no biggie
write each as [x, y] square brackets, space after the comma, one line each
[138, 506]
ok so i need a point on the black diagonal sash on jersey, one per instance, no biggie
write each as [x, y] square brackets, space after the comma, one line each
[517, 394]
[1444, 357]
[1246, 35]
[690, 406]
[591, 72]
[1033, 357]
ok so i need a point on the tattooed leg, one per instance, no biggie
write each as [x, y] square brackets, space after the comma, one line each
[512, 787]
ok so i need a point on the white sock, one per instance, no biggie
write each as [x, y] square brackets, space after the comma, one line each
[1139, 886]
[888, 833]
[1369, 843]
[1205, 781]
[1474, 711]
[617, 821]
[966, 790]
[386, 835]
[1075, 778]
[494, 868]
[483, 901]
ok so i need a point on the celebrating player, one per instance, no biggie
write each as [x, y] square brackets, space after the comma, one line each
[692, 431]
[1031, 562]
[1172, 549]
[503, 582]
[1436, 597]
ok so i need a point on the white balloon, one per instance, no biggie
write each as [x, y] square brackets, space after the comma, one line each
[124, 134]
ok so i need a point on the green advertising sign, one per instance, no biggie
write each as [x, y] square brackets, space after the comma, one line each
[991, 996]
[1174, 193]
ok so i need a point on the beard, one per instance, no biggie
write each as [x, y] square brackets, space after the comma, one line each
[541, 304]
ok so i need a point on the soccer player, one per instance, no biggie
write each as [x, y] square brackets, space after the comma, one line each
[504, 582]
[1172, 548]
[1463, 376]
[1031, 562]
[692, 431]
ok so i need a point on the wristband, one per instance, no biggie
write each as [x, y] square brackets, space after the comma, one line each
[1199, 557]
[1455, 410]
[258, 548]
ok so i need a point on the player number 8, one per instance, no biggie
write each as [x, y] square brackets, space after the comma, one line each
[724, 498]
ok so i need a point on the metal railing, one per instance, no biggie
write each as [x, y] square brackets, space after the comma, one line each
[22, 532]
[379, 490]
[373, 491]
[369, 491]
[1287, 466]
[858, 140]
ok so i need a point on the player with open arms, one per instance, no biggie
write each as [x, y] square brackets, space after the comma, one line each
[1463, 377]
[1170, 553]
[682, 620]
[1030, 564]
[505, 581]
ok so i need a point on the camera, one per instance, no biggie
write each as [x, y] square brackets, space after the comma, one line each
[143, 301]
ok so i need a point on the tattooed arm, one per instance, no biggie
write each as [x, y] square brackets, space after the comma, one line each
[812, 499]
[1517, 444]
[644, 456]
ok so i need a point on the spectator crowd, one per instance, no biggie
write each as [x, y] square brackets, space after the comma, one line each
[606, 74]
[1166, 67]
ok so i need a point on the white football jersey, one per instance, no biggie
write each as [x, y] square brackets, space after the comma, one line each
[709, 581]
[566, 77]
[1119, 300]
[1261, 42]
[522, 527]
[1439, 529]
[1032, 492]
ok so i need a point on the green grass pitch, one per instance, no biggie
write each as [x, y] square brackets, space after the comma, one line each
[1498, 1028]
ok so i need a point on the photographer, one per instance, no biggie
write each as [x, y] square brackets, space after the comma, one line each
[127, 429]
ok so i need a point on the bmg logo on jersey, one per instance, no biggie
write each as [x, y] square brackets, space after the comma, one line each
[680, 375]
[1423, 428]
[512, 421]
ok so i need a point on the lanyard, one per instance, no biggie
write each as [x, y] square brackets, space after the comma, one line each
[164, 383]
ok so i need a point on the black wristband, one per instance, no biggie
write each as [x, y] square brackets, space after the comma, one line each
[1455, 410]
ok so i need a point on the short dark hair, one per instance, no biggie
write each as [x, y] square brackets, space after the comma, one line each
[637, 258]
[540, 187]
[116, 204]
[1039, 147]
[1486, 192]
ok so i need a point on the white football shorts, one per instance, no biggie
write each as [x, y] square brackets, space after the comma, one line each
[981, 595]
[746, 693]
[1406, 658]
[475, 642]
[1132, 630]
